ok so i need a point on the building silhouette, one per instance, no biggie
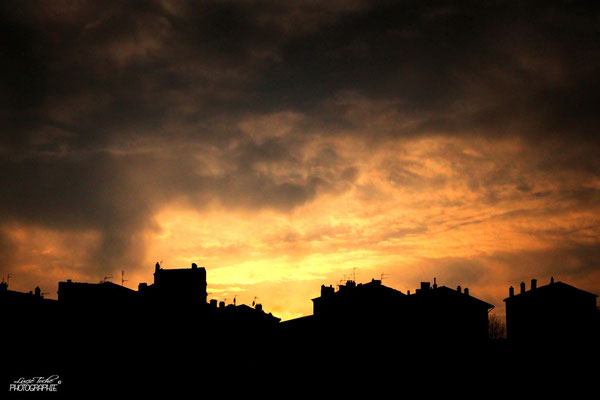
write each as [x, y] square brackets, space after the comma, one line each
[102, 295]
[25, 309]
[186, 286]
[558, 313]
[446, 314]
[368, 311]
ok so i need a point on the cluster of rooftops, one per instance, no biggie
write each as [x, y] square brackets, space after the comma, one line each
[431, 308]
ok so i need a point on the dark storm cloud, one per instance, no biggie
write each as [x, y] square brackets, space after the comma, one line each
[111, 110]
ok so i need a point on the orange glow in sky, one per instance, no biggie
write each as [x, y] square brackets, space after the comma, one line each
[286, 146]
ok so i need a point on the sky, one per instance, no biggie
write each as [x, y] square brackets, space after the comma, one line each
[286, 145]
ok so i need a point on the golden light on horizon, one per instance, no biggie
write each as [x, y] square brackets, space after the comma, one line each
[310, 141]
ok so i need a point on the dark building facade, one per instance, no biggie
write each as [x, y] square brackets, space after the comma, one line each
[557, 312]
[446, 314]
[373, 311]
[17, 306]
[357, 300]
[94, 295]
[180, 287]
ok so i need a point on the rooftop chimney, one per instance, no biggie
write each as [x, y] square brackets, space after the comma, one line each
[511, 291]
[424, 286]
[551, 280]
[459, 289]
[533, 284]
[467, 291]
[194, 266]
[213, 303]
[221, 304]
[434, 283]
[522, 287]
[38, 292]
[156, 267]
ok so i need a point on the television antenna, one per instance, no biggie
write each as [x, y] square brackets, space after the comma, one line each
[123, 280]
[106, 277]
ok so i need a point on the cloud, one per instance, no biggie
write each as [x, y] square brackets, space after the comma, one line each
[416, 121]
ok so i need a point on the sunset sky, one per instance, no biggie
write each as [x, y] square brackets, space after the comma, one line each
[287, 144]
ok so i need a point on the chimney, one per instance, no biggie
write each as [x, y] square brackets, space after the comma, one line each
[459, 289]
[533, 284]
[327, 290]
[551, 280]
[69, 281]
[38, 292]
[3, 287]
[434, 283]
[194, 266]
[424, 286]
[156, 267]
[213, 303]
[511, 291]
[221, 304]
[408, 292]
[467, 291]
[258, 307]
[522, 287]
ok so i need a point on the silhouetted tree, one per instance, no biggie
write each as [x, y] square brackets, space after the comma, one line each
[496, 328]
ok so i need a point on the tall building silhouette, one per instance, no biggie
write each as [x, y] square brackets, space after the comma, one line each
[186, 286]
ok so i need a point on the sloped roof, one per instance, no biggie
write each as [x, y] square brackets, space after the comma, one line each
[444, 291]
[365, 288]
[552, 288]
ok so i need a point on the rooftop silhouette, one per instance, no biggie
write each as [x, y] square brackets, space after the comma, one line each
[431, 314]
[556, 313]
[169, 324]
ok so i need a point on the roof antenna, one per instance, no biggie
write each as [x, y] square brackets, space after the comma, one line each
[123, 280]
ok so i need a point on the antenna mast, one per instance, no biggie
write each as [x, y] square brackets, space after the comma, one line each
[123, 280]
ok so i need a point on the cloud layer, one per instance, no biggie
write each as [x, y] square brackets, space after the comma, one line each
[400, 136]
